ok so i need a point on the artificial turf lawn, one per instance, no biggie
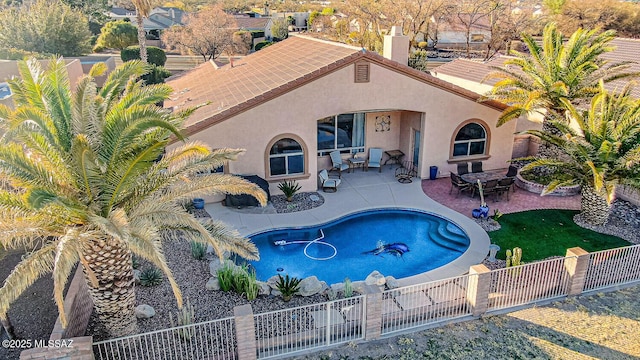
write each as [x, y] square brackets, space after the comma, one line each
[545, 233]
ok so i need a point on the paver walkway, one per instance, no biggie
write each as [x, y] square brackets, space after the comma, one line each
[520, 200]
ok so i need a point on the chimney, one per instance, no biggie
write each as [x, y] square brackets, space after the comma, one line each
[396, 46]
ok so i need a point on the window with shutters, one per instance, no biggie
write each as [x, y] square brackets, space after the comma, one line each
[362, 72]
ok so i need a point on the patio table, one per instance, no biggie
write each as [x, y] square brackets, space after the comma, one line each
[355, 163]
[394, 155]
[472, 178]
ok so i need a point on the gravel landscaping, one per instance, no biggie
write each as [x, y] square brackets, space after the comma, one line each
[600, 326]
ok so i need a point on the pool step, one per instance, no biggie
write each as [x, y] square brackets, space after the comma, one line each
[450, 237]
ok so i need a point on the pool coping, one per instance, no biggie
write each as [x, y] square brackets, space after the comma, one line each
[362, 191]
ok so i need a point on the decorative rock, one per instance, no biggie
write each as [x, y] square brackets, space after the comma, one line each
[358, 286]
[136, 276]
[325, 287]
[375, 278]
[337, 287]
[214, 266]
[265, 289]
[275, 292]
[213, 284]
[310, 286]
[391, 282]
[272, 281]
[144, 311]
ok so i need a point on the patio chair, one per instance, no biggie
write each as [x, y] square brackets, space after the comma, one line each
[504, 186]
[463, 168]
[405, 172]
[338, 164]
[488, 188]
[476, 166]
[457, 182]
[327, 183]
[512, 172]
[375, 159]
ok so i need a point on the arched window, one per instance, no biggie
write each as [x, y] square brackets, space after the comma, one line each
[471, 139]
[286, 157]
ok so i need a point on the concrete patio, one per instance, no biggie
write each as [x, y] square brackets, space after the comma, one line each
[360, 191]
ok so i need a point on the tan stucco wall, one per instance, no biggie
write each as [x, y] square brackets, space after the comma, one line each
[297, 112]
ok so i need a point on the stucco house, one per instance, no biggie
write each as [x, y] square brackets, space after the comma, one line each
[292, 103]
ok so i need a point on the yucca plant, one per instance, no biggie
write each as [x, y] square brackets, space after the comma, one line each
[289, 188]
[86, 185]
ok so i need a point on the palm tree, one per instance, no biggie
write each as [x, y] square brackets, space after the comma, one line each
[553, 72]
[602, 153]
[90, 184]
[143, 8]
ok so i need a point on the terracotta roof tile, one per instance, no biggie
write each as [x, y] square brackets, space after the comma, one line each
[271, 72]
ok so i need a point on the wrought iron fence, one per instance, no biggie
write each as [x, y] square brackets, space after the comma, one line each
[528, 283]
[207, 340]
[417, 305]
[612, 267]
[307, 327]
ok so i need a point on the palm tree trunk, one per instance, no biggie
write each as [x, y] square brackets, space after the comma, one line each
[594, 206]
[142, 36]
[113, 295]
[547, 150]
[8, 327]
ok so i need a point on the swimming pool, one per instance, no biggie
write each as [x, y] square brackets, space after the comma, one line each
[396, 242]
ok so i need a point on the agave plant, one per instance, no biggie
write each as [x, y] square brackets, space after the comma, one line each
[87, 184]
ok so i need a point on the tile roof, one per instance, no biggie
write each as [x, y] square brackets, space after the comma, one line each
[273, 71]
[473, 70]
[251, 23]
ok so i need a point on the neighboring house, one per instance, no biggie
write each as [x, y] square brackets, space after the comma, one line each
[289, 105]
[471, 74]
[262, 24]
[299, 19]
[159, 19]
[87, 62]
[9, 70]
[452, 32]
[118, 13]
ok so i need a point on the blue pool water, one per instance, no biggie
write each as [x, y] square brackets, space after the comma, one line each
[432, 241]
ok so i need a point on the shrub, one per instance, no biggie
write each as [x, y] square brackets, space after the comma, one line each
[19, 54]
[151, 277]
[288, 286]
[263, 44]
[156, 56]
[251, 288]
[198, 250]
[422, 44]
[289, 188]
[225, 277]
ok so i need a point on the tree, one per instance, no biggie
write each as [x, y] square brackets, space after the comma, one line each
[45, 27]
[554, 73]
[507, 22]
[92, 185]
[117, 35]
[603, 153]
[94, 10]
[471, 13]
[143, 8]
[242, 42]
[280, 29]
[207, 33]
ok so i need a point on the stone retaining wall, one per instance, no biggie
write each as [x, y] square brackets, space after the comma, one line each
[628, 194]
[537, 188]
